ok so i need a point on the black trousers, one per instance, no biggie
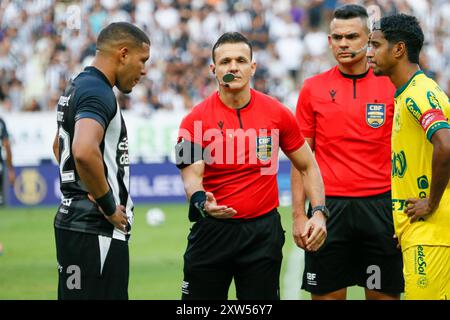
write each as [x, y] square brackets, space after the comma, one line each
[248, 250]
[359, 249]
[91, 266]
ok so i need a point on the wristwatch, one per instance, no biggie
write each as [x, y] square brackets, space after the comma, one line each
[323, 209]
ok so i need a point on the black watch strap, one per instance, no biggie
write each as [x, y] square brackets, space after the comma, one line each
[323, 209]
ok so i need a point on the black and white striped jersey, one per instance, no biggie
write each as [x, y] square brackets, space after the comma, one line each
[3, 135]
[90, 95]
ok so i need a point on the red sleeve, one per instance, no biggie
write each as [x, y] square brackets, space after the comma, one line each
[305, 113]
[191, 128]
[291, 139]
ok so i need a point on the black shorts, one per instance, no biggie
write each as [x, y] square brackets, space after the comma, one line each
[248, 250]
[359, 249]
[91, 266]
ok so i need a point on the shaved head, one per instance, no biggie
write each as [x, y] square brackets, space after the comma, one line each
[120, 33]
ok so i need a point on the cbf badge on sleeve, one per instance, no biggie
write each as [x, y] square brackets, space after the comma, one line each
[264, 148]
[375, 114]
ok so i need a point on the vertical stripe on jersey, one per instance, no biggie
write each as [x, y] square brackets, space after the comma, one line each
[112, 138]
[123, 176]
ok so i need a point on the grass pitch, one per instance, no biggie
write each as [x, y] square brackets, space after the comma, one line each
[28, 268]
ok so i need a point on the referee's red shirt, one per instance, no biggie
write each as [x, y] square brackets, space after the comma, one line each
[240, 149]
[350, 120]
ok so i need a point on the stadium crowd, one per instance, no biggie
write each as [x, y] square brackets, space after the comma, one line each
[45, 42]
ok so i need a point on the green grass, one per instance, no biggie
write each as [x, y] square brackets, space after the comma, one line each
[28, 263]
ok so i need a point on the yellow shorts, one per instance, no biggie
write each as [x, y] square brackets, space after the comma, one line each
[427, 273]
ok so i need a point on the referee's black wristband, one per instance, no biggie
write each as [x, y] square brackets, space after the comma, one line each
[197, 206]
[107, 203]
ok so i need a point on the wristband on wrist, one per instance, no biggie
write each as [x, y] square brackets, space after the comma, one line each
[107, 203]
[197, 206]
[322, 209]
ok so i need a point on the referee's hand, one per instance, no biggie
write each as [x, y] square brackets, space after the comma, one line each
[216, 211]
[315, 232]
[298, 227]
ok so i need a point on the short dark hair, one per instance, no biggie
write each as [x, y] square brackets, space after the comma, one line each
[231, 37]
[404, 28]
[350, 11]
[122, 31]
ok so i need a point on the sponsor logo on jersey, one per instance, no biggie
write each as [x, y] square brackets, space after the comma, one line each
[124, 158]
[333, 94]
[420, 260]
[422, 182]
[398, 204]
[413, 108]
[434, 102]
[263, 148]
[375, 114]
[66, 202]
[421, 266]
[398, 164]
[64, 101]
[60, 116]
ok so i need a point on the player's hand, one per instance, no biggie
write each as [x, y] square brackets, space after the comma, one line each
[298, 226]
[417, 208]
[12, 177]
[216, 211]
[315, 232]
[119, 218]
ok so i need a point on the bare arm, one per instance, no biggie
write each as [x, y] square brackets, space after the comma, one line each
[192, 176]
[88, 157]
[306, 179]
[440, 166]
[308, 172]
[89, 163]
[439, 178]
[297, 189]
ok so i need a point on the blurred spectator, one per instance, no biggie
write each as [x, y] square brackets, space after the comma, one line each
[40, 50]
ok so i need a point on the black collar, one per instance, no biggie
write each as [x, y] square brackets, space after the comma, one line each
[354, 76]
[98, 73]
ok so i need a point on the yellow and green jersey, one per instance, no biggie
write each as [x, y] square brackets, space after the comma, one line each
[421, 108]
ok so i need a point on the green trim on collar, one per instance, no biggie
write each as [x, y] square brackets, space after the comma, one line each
[402, 88]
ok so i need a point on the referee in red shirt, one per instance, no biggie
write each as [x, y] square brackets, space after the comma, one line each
[346, 115]
[228, 153]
